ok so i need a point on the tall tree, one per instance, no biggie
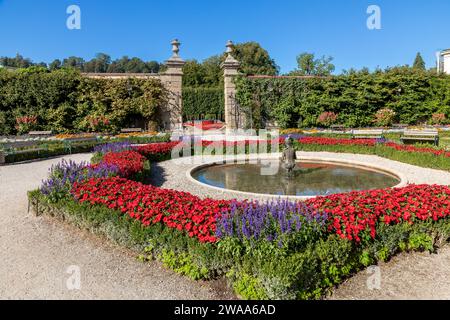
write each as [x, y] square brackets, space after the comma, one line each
[194, 74]
[74, 62]
[419, 63]
[254, 59]
[308, 65]
[212, 71]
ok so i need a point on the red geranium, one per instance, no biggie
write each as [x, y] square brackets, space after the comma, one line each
[353, 213]
[128, 162]
[151, 205]
[333, 141]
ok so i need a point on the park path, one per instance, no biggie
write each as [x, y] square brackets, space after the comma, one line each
[36, 253]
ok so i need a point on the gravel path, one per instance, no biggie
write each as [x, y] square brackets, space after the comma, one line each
[37, 252]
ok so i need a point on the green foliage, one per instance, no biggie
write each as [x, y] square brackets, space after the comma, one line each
[419, 63]
[183, 264]
[64, 101]
[421, 241]
[202, 101]
[355, 96]
[254, 59]
[248, 287]
[308, 65]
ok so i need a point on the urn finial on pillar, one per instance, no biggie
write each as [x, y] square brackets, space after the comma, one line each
[175, 48]
[229, 52]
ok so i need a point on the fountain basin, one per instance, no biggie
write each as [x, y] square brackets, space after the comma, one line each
[311, 178]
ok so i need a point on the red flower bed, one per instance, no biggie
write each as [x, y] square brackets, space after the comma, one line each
[333, 141]
[128, 162]
[157, 148]
[353, 213]
[151, 205]
[414, 149]
[205, 125]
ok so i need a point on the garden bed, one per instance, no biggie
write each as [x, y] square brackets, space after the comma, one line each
[278, 250]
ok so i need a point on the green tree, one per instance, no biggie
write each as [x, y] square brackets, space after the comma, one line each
[17, 62]
[194, 74]
[254, 59]
[74, 62]
[308, 65]
[419, 63]
[212, 71]
[99, 64]
[55, 65]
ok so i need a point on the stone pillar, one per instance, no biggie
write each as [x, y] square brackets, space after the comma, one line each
[233, 116]
[172, 78]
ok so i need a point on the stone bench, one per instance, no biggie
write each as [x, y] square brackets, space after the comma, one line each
[40, 133]
[131, 130]
[368, 134]
[338, 127]
[421, 136]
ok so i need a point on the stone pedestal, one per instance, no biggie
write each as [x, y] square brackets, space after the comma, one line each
[234, 118]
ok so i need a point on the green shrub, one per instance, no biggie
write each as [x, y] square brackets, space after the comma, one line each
[206, 102]
[63, 100]
[355, 96]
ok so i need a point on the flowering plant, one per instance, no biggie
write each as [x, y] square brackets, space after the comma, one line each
[439, 118]
[66, 173]
[384, 117]
[97, 123]
[326, 119]
[356, 215]
[333, 141]
[26, 123]
[151, 205]
[157, 151]
[128, 162]
[414, 149]
[112, 147]
[269, 221]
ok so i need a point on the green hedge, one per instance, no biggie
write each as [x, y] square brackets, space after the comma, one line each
[54, 149]
[203, 102]
[356, 96]
[65, 101]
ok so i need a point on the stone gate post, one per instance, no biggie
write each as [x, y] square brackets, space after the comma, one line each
[172, 78]
[233, 116]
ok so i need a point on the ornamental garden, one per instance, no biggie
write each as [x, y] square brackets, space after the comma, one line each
[286, 245]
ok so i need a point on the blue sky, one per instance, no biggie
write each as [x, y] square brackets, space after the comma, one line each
[144, 28]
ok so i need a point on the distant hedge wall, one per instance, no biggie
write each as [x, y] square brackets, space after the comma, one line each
[203, 103]
[355, 97]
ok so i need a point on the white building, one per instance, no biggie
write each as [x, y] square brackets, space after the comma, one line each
[443, 61]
